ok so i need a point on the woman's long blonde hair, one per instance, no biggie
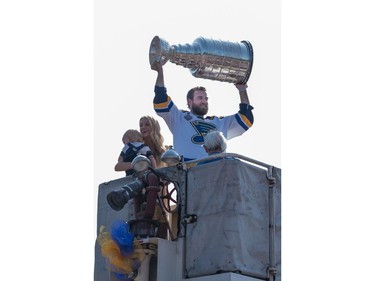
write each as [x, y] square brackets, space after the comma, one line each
[156, 142]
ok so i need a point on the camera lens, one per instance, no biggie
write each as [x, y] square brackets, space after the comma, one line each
[116, 199]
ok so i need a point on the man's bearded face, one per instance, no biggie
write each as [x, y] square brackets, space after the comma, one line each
[199, 104]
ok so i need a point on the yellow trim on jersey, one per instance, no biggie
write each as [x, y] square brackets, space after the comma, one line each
[163, 104]
[245, 120]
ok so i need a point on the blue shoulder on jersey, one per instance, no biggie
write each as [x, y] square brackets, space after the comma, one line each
[162, 102]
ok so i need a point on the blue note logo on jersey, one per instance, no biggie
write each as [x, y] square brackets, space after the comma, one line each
[202, 129]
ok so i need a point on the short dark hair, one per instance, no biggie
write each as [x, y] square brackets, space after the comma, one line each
[190, 94]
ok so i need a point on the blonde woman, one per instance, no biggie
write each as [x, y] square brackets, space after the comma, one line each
[152, 137]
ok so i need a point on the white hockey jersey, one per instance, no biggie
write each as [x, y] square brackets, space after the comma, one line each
[189, 130]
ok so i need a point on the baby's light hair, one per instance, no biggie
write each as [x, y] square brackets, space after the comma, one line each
[133, 136]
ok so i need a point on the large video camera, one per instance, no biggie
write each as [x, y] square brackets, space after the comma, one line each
[146, 177]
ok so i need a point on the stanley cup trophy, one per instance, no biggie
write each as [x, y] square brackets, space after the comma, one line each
[207, 58]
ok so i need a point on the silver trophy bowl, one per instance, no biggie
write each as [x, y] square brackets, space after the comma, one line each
[207, 58]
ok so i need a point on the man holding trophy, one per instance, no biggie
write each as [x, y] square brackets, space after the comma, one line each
[190, 127]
